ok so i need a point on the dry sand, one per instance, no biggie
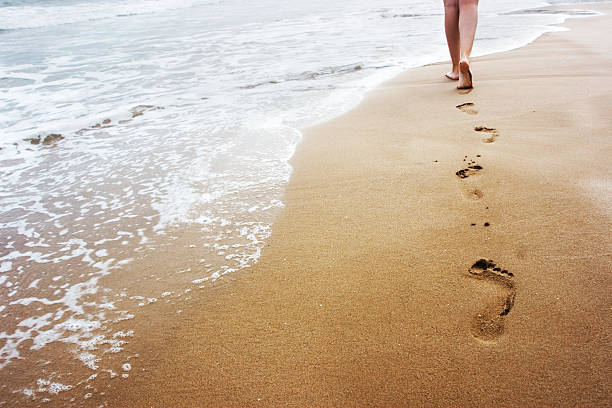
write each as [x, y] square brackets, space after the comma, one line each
[364, 295]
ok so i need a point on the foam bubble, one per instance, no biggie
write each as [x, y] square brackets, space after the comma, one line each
[51, 387]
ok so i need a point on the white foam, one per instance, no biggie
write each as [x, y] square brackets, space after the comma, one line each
[101, 253]
[122, 333]
[5, 267]
[34, 284]
[51, 387]
[89, 360]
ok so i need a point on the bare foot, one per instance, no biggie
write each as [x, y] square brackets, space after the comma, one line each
[465, 76]
[452, 75]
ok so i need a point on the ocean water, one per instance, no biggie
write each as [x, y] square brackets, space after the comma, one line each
[126, 123]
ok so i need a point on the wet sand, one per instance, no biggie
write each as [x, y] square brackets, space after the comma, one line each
[428, 255]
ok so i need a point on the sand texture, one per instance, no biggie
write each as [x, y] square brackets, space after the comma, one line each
[437, 248]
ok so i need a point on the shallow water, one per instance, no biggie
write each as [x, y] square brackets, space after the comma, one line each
[169, 114]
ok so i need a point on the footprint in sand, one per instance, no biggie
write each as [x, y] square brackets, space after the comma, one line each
[467, 107]
[492, 132]
[489, 324]
[467, 187]
[471, 169]
[473, 194]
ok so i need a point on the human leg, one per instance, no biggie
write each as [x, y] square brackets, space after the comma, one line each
[468, 19]
[451, 27]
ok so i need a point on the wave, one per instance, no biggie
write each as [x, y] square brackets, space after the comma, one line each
[307, 75]
[552, 12]
[14, 17]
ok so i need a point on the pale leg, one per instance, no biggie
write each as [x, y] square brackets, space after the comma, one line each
[468, 19]
[451, 27]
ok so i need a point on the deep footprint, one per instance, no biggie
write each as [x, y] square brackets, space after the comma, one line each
[489, 324]
[493, 133]
[467, 107]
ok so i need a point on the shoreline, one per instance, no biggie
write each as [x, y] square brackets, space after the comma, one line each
[369, 291]
[369, 286]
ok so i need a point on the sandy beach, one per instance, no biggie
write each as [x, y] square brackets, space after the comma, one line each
[427, 255]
